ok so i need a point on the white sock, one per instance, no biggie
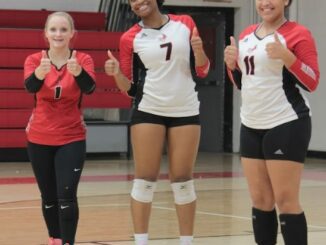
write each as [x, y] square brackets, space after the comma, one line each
[186, 240]
[141, 239]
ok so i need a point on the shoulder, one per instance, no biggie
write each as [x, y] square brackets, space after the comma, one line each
[130, 33]
[83, 56]
[186, 19]
[182, 17]
[34, 58]
[250, 29]
[291, 28]
[295, 34]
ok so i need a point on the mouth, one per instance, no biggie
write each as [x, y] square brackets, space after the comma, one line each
[266, 10]
[142, 8]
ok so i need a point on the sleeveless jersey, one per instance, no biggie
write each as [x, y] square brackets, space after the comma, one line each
[57, 118]
[270, 92]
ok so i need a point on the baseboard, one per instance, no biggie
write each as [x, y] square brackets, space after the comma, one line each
[317, 154]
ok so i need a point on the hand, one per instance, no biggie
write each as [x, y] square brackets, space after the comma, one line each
[196, 42]
[73, 66]
[111, 66]
[275, 50]
[45, 66]
[231, 54]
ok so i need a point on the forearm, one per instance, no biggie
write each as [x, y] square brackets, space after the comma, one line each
[122, 81]
[85, 82]
[288, 58]
[33, 84]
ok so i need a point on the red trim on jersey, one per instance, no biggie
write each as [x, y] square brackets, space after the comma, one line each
[57, 121]
[247, 31]
[127, 50]
[203, 70]
[230, 74]
[300, 41]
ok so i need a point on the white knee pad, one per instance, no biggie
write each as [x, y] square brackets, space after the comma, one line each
[184, 192]
[143, 190]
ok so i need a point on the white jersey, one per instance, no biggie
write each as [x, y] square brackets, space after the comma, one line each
[270, 92]
[157, 61]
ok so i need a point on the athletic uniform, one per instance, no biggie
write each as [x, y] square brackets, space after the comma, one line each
[158, 63]
[272, 102]
[56, 140]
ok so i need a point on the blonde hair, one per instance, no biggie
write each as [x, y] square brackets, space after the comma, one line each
[62, 14]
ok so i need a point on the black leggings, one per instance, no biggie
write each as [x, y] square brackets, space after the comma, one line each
[57, 170]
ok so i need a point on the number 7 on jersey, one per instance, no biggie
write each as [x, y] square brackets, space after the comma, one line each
[168, 51]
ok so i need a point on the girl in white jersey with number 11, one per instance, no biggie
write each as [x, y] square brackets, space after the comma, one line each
[272, 62]
[155, 69]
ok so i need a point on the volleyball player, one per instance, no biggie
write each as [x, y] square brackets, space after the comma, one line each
[275, 61]
[56, 131]
[156, 56]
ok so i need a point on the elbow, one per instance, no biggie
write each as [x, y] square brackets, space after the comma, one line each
[314, 86]
[90, 90]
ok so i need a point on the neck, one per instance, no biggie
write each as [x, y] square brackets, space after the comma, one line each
[155, 20]
[63, 53]
[272, 26]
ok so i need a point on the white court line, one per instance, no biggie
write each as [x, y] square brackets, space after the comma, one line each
[231, 216]
[80, 206]
[157, 207]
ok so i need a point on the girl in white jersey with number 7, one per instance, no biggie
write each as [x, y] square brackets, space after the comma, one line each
[155, 68]
[273, 60]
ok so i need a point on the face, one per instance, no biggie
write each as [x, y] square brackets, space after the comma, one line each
[143, 8]
[58, 32]
[271, 10]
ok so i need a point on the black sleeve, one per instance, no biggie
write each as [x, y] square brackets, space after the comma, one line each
[237, 78]
[85, 82]
[33, 84]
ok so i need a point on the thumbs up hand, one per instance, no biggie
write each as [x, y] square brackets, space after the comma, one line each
[231, 54]
[111, 66]
[73, 66]
[196, 42]
[275, 50]
[44, 67]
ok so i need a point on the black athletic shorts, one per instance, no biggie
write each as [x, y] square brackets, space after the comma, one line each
[288, 141]
[144, 117]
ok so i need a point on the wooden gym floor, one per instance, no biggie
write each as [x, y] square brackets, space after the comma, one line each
[223, 209]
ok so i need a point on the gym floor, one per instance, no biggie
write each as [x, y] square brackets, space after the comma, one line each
[223, 206]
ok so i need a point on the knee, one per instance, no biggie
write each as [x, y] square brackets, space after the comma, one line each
[184, 192]
[68, 209]
[143, 190]
[263, 200]
[286, 203]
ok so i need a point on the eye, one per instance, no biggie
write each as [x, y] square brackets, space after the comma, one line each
[63, 29]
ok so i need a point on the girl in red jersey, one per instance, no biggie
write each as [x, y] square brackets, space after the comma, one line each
[56, 131]
[274, 60]
[155, 68]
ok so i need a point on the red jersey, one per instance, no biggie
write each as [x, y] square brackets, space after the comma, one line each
[57, 118]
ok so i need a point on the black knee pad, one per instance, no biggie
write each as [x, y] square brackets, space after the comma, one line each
[265, 226]
[294, 229]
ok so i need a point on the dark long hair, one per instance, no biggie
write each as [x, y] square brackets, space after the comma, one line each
[290, 1]
[160, 3]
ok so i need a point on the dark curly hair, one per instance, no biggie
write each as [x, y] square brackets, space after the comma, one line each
[160, 3]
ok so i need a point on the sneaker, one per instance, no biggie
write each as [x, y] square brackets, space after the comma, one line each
[54, 241]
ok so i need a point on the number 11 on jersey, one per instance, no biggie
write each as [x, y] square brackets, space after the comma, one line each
[250, 65]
